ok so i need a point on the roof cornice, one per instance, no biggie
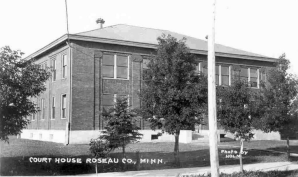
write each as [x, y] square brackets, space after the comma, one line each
[47, 47]
[137, 44]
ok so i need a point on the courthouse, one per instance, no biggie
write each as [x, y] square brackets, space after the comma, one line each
[104, 63]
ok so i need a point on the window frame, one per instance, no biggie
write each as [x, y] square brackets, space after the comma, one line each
[144, 69]
[114, 96]
[115, 67]
[229, 75]
[258, 77]
[42, 105]
[199, 69]
[33, 116]
[261, 75]
[54, 69]
[53, 108]
[64, 66]
[62, 106]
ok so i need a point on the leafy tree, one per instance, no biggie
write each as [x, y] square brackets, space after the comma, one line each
[121, 129]
[279, 93]
[173, 97]
[238, 106]
[20, 80]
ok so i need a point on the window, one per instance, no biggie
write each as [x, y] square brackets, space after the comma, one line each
[198, 68]
[63, 106]
[53, 108]
[216, 74]
[263, 76]
[244, 74]
[122, 67]
[145, 63]
[205, 68]
[108, 100]
[127, 96]
[54, 68]
[253, 77]
[34, 114]
[115, 66]
[145, 68]
[225, 75]
[42, 66]
[42, 109]
[108, 66]
[64, 66]
[33, 117]
[222, 73]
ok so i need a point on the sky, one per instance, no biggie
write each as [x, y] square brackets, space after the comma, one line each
[267, 27]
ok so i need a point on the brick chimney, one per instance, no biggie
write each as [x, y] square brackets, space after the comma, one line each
[101, 21]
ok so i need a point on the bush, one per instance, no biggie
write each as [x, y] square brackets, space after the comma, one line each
[100, 148]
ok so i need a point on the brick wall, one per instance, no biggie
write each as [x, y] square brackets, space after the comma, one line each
[54, 89]
[83, 106]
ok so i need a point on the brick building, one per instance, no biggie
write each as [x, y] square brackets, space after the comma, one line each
[106, 62]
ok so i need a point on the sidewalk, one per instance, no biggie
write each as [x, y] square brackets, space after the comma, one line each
[281, 166]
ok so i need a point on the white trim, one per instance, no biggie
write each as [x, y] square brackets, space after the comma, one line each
[128, 62]
[219, 74]
[258, 78]
[115, 66]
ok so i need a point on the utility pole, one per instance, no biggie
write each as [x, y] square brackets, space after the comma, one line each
[212, 98]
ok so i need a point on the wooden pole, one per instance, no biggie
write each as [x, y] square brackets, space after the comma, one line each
[212, 98]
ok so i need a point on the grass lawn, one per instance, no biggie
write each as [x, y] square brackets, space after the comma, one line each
[267, 145]
[261, 174]
[15, 156]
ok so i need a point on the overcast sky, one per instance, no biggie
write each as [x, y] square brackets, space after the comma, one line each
[267, 27]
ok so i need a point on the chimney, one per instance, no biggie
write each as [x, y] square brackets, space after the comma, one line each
[101, 21]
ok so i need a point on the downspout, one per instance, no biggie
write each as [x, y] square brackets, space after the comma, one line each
[94, 77]
[50, 95]
[141, 82]
[68, 128]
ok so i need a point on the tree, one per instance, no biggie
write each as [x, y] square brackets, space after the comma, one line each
[173, 97]
[20, 80]
[278, 95]
[121, 129]
[237, 109]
